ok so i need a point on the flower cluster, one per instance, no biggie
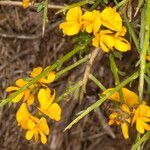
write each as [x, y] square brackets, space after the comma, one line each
[25, 3]
[36, 126]
[106, 27]
[130, 112]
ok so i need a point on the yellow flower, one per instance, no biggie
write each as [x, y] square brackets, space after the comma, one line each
[148, 58]
[91, 21]
[121, 117]
[24, 118]
[27, 95]
[25, 3]
[50, 77]
[40, 128]
[107, 40]
[73, 23]
[142, 118]
[111, 19]
[130, 98]
[46, 98]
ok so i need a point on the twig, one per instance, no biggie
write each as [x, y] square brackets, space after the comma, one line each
[16, 3]
[103, 123]
[14, 58]
[87, 71]
[30, 37]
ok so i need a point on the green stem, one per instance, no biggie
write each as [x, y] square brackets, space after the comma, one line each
[45, 72]
[144, 51]
[100, 101]
[60, 73]
[123, 2]
[95, 5]
[132, 33]
[81, 3]
[97, 82]
[73, 88]
[114, 69]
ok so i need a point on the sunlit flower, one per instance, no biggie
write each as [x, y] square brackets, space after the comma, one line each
[47, 106]
[130, 98]
[91, 21]
[24, 118]
[111, 19]
[107, 40]
[25, 3]
[121, 117]
[73, 23]
[142, 118]
[27, 95]
[148, 57]
[50, 77]
[40, 128]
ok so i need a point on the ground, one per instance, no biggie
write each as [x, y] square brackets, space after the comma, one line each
[21, 49]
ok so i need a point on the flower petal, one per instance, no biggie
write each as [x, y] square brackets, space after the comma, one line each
[12, 88]
[74, 14]
[111, 19]
[29, 134]
[139, 126]
[43, 137]
[43, 126]
[54, 112]
[70, 28]
[18, 98]
[124, 128]
[49, 78]
[122, 44]
[36, 71]
[43, 98]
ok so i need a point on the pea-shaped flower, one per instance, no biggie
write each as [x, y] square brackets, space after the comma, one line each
[47, 105]
[73, 23]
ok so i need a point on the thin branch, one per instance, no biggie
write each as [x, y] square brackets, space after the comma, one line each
[30, 37]
[87, 71]
[19, 4]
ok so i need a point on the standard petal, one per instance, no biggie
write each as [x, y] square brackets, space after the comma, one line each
[74, 14]
[54, 112]
[130, 97]
[70, 28]
[31, 124]
[22, 113]
[111, 19]
[43, 98]
[36, 71]
[21, 82]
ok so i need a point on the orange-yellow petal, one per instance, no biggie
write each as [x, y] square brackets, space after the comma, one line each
[111, 19]
[43, 126]
[124, 128]
[122, 44]
[18, 98]
[12, 88]
[74, 14]
[29, 134]
[54, 112]
[36, 71]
